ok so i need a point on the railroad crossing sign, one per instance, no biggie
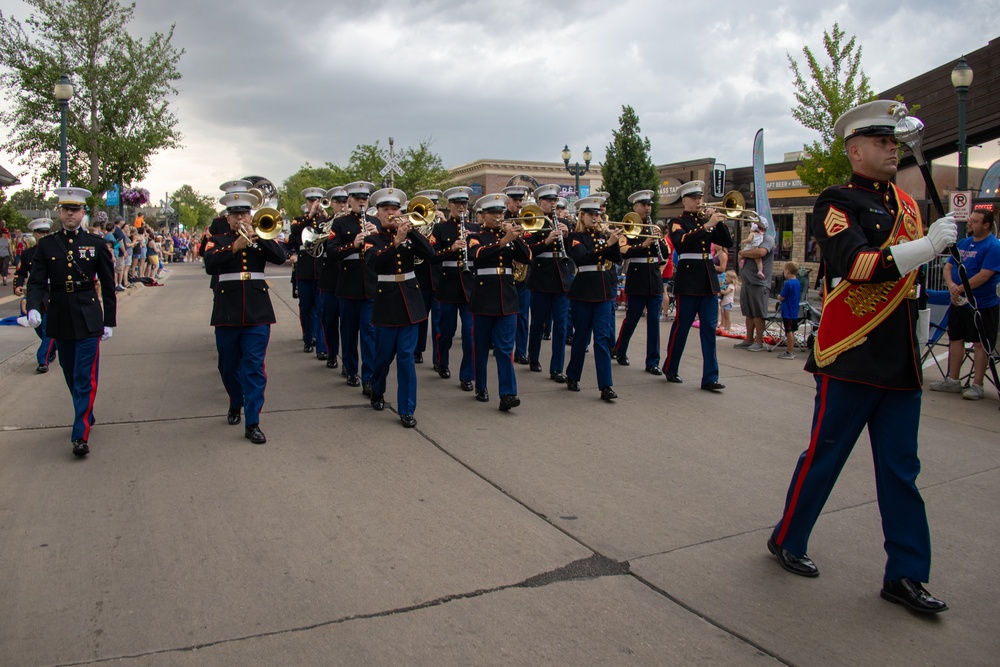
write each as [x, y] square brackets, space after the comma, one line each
[961, 204]
[391, 161]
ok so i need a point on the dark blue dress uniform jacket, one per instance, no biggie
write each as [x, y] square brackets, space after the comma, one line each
[696, 277]
[495, 293]
[644, 278]
[549, 274]
[454, 283]
[889, 357]
[356, 278]
[241, 303]
[591, 249]
[307, 267]
[74, 311]
[398, 303]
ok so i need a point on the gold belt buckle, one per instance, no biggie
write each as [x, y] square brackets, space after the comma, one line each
[244, 275]
[501, 270]
[70, 287]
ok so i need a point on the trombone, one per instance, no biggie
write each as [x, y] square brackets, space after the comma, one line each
[266, 224]
[734, 206]
[634, 228]
[532, 219]
[420, 213]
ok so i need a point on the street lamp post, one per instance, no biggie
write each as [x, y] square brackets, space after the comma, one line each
[576, 170]
[63, 93]
[961, 79]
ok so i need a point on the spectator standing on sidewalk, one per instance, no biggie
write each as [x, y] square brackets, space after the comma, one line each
[755, 289]
[791, 292]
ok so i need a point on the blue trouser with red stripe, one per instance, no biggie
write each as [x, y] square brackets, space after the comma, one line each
[707, 309]
[636, 302]
[843, 409]
[499, 330]
[47, 348]
[398, 343]
[79, 359]
[241, 365]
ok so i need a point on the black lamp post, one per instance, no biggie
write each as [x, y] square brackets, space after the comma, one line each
[961, 79]
[63, 93]
[576, 170]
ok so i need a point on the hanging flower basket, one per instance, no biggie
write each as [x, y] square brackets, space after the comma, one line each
[135, 196]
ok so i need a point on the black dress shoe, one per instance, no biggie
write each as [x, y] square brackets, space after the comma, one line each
[913, 595]
[254, 434]
[418, 358]
[509, 401]
[234, 416]
[535, 367]
[408, 421]
[622, 360]
[712, 386]
[608, 394]
[42, 368]
[521, 360]
[572, 385]
[800, 565]
[674, 378]
[569, 340]
[444, 372]
[307, 347]
[80, 448]
[546, 336]
[378, 402]
[467, 385]
[483, 396]
[332, 362]
[322, 356]
[654, 370]
[353, 381]
[343, 372]
[366, 389]
[557, 377]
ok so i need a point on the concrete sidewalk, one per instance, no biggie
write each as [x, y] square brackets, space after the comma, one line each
[567, 532]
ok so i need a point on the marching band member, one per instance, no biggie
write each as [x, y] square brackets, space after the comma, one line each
[549, 281]
[66, 269]
[399, 306]
[866, 358]
[428, 275]
[494, 301]
[455, 286]
[307, 273]
[329, 306]
[355, 284]
[604, 197]
[515, 198]
[592, 295]
[643, 287]
[39, 228]
[242, 313]
[696, 283]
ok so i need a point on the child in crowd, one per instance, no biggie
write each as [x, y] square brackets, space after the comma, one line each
[789, 299]
[753, 240]
[728, 294]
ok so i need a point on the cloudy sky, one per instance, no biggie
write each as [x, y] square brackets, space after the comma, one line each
[269, 86]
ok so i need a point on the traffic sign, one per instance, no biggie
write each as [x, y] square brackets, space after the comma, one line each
[961, 204]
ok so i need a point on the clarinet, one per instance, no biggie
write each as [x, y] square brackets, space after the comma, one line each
[659, 252]
[464, 262]
[560, 243]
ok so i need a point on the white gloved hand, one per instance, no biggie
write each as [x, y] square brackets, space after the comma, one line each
[23, 321]
[943, 233]
[34, 318]
[908, 256]
[107, 333]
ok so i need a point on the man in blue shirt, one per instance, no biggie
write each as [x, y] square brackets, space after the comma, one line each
[980, 253]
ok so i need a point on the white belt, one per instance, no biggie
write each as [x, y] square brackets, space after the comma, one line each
[693, 255]
[449, 263]
[396, 277]
[495, 271]
[544, 254]
[245, 275]
[354, 255]
[590, 267]
[644, 260]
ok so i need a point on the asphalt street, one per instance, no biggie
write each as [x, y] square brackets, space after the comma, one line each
[570, 531]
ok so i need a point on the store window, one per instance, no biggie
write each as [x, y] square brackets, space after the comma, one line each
[811, 247]
[783, 235]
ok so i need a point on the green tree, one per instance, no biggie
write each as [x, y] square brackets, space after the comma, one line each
[834, 88]
[627, 166]
[194, 211]
[119, 116]
[9, 212]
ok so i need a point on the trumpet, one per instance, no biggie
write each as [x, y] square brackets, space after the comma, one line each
[734, 206]
[634, 228]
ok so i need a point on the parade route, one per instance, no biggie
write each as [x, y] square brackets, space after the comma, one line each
[570, 531]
